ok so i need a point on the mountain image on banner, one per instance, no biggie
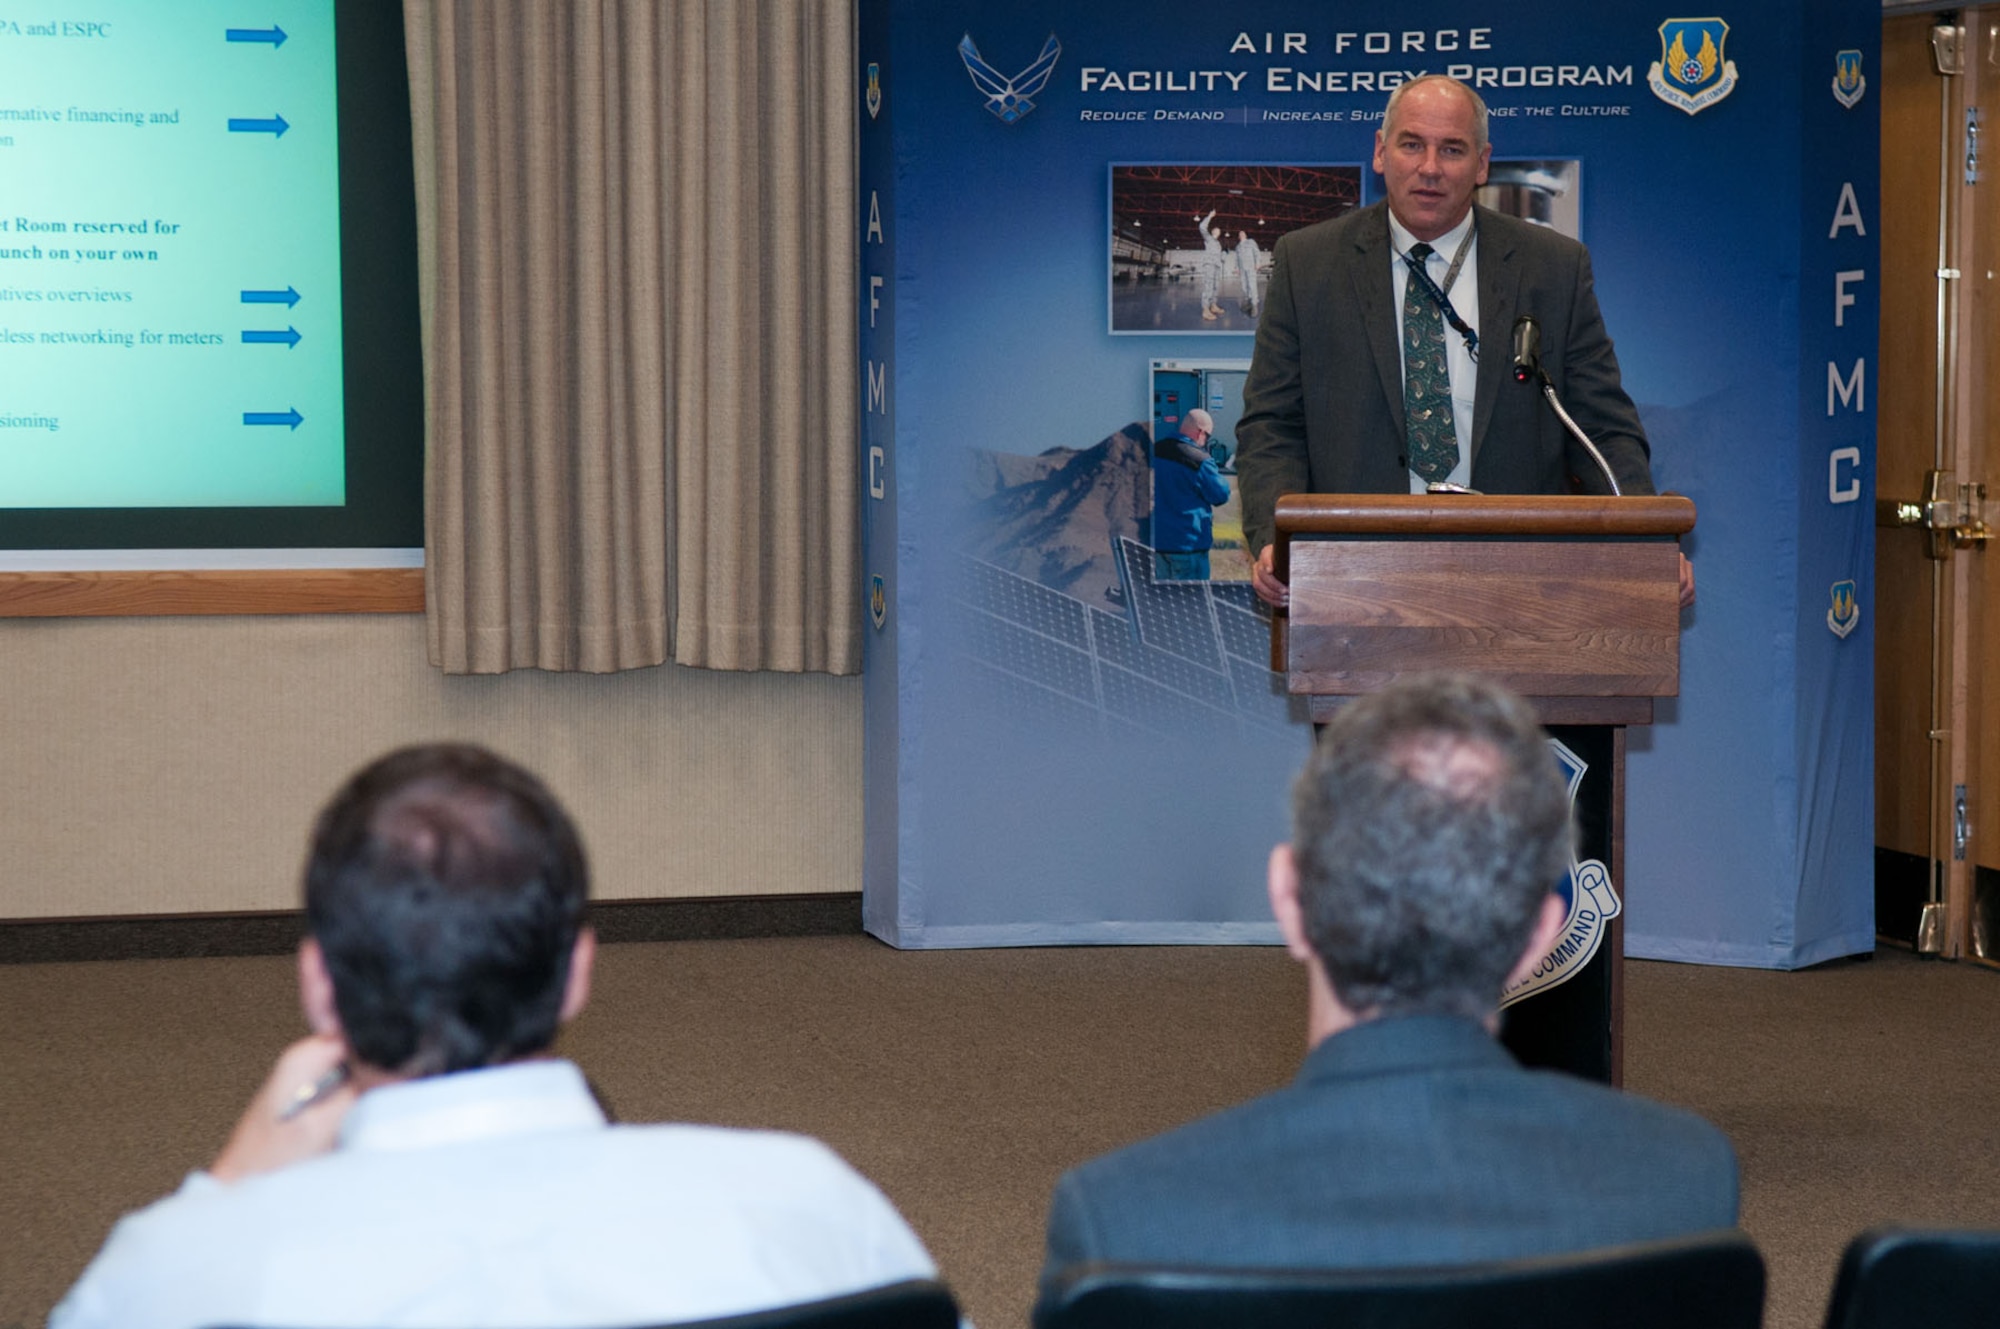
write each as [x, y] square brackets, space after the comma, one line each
[1054, 517]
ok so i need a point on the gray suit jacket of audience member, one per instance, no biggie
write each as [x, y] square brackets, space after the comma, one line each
[1407, 1141]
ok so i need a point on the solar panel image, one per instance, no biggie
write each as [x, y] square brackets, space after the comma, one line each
[1173, 616]
[1238, 595]
[1261, 695]
[1025, 602]
[1176, 672]
[1246, 635]
[1028, 653]
[1114, 640]
[1190, 658]
[1163, 710]
[1002, 698]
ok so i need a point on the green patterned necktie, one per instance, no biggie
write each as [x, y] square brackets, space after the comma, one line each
[1428, 428]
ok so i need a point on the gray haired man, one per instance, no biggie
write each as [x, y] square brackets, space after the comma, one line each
[1428, 830]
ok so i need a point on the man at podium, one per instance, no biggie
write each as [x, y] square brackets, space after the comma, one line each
[1384, 359]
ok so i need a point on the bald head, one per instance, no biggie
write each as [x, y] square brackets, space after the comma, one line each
[1440, 89]
[1198, 421]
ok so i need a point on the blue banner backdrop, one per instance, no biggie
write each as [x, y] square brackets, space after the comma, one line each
[1073, 739]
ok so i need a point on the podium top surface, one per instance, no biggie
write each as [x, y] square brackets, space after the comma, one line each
[1484, 514]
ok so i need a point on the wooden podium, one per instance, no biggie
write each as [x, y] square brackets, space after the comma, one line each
[1573, 602]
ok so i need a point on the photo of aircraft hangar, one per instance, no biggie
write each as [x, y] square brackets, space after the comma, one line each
[1191, 244]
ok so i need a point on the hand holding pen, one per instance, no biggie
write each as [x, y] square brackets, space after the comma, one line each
[306, 1095]
[296, 1114]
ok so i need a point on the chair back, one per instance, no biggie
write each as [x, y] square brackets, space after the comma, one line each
[1890, 1279]
[1712, 1280]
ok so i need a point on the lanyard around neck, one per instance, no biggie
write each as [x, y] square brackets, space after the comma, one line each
[1438, 295]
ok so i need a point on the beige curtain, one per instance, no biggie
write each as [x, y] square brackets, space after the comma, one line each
[635, 226]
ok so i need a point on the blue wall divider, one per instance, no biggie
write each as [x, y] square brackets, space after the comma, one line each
[1064, 746]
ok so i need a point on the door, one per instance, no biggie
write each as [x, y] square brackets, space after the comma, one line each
[1937, 759]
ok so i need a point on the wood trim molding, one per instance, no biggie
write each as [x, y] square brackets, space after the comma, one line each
[220, 591]
[277, 932]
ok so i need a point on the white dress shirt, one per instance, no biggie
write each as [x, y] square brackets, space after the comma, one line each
[502, 1198]
[1464, 296]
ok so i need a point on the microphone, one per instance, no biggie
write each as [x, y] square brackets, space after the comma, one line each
[1528, 366]
[1527, 348]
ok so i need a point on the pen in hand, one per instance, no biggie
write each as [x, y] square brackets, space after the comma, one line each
[309, 1094]
[276, 1129]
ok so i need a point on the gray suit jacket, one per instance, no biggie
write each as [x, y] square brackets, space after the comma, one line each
[1323, 403]
[1404, 1141]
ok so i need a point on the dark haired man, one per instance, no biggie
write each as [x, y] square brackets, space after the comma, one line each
[419, 1159]
[1428, 829]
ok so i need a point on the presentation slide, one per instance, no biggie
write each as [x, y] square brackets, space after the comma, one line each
[170, 256]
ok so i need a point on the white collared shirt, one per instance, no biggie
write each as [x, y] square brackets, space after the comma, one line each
[501, 1198]
[1464, 296]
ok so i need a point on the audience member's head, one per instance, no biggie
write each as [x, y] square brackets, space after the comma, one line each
[445, 892]
[1429, 829]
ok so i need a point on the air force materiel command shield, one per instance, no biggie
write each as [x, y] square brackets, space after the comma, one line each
[873, 97]
[1691, 72]
[1591, 901]
[878, 601]
[1010, 98]
[1845, 614]
[1848, 85]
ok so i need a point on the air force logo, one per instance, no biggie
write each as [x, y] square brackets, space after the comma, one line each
[1848, 85]
[1010, 98]
[1845, 613]
[873, 97]
[878, 601]
[1691, 72]
[1591, 901]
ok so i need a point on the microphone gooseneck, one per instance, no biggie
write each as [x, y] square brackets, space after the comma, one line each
[1528, 366]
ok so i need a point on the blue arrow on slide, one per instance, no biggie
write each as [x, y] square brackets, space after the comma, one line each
[288, 338]
[287, 297]
[290, 419]
[275, 126]
[274, 34]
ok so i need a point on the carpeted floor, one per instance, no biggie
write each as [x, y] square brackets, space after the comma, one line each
[964, 1082]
